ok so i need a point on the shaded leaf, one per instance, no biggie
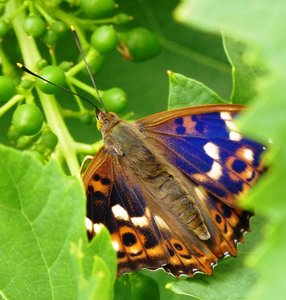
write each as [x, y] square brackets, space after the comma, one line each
[185, 92]
[245, 73]
[136, 286]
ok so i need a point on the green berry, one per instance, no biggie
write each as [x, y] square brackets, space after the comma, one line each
[122, 18]
[59, 27]
[41, 63]
[97, 8]
[7, 88]
[54, 74]
[23, 142]
[50, 38]
[49, 140]
[65, 65]
[34, 25]
[139, 44]
[104, 39]
[114, 100]
[27, 119]
[12, 133]
[26, 84]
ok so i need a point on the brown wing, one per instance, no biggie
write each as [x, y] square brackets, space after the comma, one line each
[145, 237]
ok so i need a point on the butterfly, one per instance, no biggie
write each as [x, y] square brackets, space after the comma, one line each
[166, 187]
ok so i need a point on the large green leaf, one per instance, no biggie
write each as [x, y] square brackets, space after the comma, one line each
[41, 212]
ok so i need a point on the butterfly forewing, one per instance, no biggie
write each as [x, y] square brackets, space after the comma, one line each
[166, 189]
[207, 147]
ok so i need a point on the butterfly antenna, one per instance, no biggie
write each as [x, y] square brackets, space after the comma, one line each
[87, 66]
[58, 86]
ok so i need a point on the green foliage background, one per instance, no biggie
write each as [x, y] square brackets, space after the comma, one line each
[44, 252]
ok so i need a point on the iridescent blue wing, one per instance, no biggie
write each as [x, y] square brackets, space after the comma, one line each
[205, 145]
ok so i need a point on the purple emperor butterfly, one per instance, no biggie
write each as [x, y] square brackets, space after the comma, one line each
[167, 185]
[166, 188]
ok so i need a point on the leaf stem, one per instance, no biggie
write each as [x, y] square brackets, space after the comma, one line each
[200, 58]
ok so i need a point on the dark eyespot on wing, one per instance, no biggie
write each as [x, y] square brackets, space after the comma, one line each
[129, 239]
[96, 177]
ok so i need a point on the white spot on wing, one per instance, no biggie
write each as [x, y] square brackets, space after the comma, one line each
[230, 125]
[97, 227]
[212, 150]
[216, 171]
[88, 224]
[235, 136]
[226, 254]
[248, 154]
[225, 115]
[119, 212]
[115, 245]
[140, 221]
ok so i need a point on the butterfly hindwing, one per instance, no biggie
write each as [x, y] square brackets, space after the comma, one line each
[141, 238]
[122, 209]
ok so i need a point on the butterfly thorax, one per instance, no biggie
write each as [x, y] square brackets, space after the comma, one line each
[160, 180]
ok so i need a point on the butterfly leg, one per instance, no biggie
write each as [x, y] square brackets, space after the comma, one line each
[87, 158]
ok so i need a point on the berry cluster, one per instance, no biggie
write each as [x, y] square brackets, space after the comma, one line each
[38, 121]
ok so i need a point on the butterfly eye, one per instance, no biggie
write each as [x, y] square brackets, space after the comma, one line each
[99, 124]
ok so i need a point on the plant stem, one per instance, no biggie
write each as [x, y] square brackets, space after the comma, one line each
[87, 148]
[14, 100]
[55, 120]
[83, 86]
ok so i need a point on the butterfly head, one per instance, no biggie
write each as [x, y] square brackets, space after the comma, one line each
[105, 121]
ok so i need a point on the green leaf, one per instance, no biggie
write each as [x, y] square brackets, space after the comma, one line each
[185, 92]
[99, 267]
[231, 280]
[136, 286]
[102, 245]
[259, 21]
[245, 72]
[42, 213]
[101, 275]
